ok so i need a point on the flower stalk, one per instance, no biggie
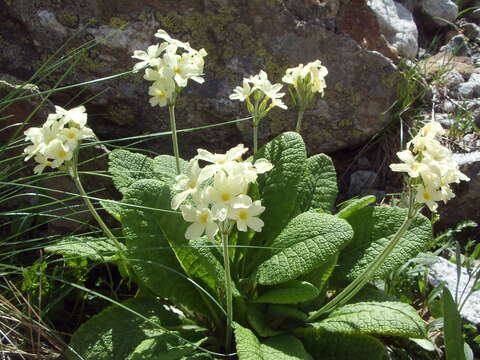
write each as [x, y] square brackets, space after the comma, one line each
[228, 289]
[299, 120]
[173, 127]
[72, 169]
[353, 288]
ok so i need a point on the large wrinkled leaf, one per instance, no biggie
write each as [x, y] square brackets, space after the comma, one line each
[291, 292]
[375, 318]
[127, 167]
[98, 249]
[149, 251]
[116, 332]
[318, 188]
[248, 346]
[355, 205]
[284, 348]
[278, 187]
[324, 345]
[165, 168]
[163, 347]
[275, 348]
[309, 240]
[373, 229]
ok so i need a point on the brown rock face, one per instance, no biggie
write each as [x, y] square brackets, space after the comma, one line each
[241, 37]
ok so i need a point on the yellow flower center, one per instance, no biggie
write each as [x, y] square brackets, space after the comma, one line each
[160, 93]
[203, 218]
[243, 215]
[177, 70]
[61, 153]
[225, 197]
[193, 185]
[426, 196]
[71, 135]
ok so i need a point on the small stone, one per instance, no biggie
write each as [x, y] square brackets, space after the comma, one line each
[361, 182]
[448, 106]
[471, 88]
[452, 78]
[456, 46]
[444, 119]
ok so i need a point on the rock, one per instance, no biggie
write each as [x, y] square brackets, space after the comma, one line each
[448, 106]
[397, 25]
[457, 46]
[442, 61]
[467, 194]
[440, 9]
[471, 88]
[445, 271]
[451, 78]
[362, 182]
[241, 38]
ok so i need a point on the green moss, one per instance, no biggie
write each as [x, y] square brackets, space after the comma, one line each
[68, 20]
[116, 22]
[92, 21]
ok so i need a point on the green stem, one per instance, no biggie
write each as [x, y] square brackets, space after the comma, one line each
[351, 290]
[255, 135]
[73, 171]
[228, 290]
[173, 128]
[299, 121]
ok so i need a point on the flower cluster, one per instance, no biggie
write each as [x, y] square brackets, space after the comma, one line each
[431, 166]
[265, 95]
[216, 195]
[55, 142]
[168, 70]
[307, 80]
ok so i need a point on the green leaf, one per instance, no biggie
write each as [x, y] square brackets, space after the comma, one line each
[284, 348]
[355, 205]
[116, 332]
[97, 249]
[452, 328]
[275, 348]
[113, 208]
[256, 318]
[320, 275]
[373, 229]
[165, 168]
[308, 240]
[291, 292]
[199, 261]
[324, 345]
[149, 251]
[163, 347]
[286, 312]
[278, 187]
[375, 318]
[248, 346]
[127, 167]
[318, 188]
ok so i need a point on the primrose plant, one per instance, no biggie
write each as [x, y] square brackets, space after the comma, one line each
[247, 259]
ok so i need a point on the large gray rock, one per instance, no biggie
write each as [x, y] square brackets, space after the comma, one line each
[445, 271]
[241, 38]
[397, 25]
[440, 10]
[467, 194]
